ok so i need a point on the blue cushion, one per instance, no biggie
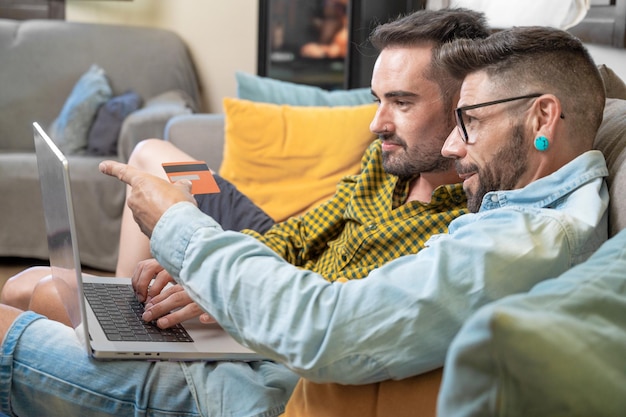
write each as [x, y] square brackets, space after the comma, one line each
[69, 130]
[558, 350]
[105, 130]
[267, 90]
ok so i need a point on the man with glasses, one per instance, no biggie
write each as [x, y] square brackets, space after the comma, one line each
[466, 121]
[538, 210]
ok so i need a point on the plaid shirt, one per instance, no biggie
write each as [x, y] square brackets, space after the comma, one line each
[365, 224]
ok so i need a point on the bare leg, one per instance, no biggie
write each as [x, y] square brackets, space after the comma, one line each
[7, 317]
[47, 299]
[34, 289]
[17, 291]
[134, 245]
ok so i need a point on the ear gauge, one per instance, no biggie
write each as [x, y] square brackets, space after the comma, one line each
[541, 143]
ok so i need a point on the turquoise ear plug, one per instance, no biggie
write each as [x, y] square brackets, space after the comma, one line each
[541, 143]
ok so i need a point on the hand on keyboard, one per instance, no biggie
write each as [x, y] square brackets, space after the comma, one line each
[149, 279]
[173, 306]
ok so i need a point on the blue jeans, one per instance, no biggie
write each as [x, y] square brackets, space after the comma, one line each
[45, 370]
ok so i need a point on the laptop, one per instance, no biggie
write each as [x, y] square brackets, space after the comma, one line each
[89, 300]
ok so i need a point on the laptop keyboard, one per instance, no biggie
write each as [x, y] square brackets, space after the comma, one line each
[119, 313]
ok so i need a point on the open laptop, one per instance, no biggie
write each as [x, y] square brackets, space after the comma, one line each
[103, 340]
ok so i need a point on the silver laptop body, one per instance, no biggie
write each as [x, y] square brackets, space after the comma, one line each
[210, 342]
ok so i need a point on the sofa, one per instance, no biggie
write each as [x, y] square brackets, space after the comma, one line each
[529, 354]
[42, 62]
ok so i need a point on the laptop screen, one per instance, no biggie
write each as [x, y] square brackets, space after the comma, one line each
[57, 206]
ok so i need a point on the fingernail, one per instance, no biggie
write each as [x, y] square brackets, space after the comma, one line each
[163, 322]
[147, 316]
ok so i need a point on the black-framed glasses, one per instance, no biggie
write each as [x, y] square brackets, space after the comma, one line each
[459, 111]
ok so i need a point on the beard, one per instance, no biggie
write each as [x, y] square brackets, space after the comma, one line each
[505, 169]
[409, 162]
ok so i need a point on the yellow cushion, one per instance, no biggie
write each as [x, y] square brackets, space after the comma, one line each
[414, 396]
[288, 159]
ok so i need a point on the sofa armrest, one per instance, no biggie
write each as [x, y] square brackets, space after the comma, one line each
[199, 135]
[149, 121]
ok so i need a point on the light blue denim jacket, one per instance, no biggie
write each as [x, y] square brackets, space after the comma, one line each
[400, 320]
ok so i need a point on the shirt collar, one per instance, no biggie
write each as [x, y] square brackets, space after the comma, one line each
[582, 169]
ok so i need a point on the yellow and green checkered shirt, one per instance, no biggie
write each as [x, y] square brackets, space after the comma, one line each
[365, 224]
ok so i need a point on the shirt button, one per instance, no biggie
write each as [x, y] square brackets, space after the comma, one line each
[341, 280]
[370, 227]
[494, 198]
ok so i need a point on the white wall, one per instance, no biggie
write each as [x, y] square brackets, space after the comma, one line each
[221, 34]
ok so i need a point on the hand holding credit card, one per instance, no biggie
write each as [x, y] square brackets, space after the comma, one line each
[202, 181]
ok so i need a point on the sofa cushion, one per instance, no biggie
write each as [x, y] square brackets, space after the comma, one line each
[105, 129]
[611, 140]
[267, 90]
[412, 396]
[613, 84]
[150, 120]
[288, 159]
[69, 130]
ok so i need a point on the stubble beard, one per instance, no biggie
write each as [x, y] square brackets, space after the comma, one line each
[410, 162]
[512, 163]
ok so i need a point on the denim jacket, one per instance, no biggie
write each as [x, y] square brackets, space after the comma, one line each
[400, 320]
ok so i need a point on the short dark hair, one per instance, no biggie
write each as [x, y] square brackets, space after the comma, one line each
[432, 27]
[525, 60]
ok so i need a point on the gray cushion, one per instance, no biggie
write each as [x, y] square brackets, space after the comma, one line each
[611, 140]
[613, 85]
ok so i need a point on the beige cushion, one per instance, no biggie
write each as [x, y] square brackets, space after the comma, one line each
[613, 85]
[611, 140]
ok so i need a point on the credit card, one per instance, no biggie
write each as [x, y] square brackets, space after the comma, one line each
[202, 181]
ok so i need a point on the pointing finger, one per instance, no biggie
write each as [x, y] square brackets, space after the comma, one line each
[121, 171]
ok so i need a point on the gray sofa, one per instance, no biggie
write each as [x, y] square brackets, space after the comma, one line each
[40, 62]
